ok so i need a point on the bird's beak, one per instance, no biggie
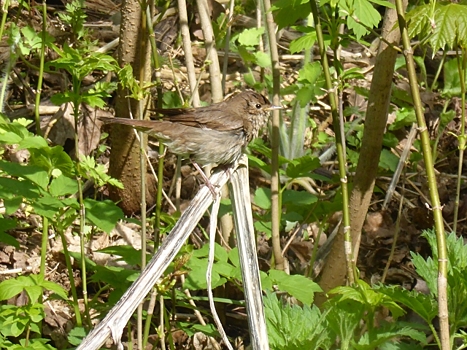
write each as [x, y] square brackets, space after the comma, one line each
[271, 108]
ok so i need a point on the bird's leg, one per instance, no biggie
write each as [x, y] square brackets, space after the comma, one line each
[205, 178]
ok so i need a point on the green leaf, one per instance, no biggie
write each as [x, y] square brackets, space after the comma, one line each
[51, 158]
[304, 42]
[287, 12]
[292, 327]
[11, 288]
[264, 226]
[452, 82]
[196, 278]
[450, 26]
[344, 317]
[33, 173]
[12, 187]
[262, 59]
[302, 167]
[62, 186]
[103, 214]
[54, 287]
[5, 238]
[369, 298]
[424, 305]
[404, 117]
[127, 253]
[297, 286]
[310, 72]
[388, 160]
[383, 335]
[263, 198]
[364, 11]
[250, 37]
[298, 198]
[47, 206]
[76, 336]
[32, 142]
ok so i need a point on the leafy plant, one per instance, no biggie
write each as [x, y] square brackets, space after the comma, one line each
[20, 321]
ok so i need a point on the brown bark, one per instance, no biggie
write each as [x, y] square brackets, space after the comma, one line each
[125, 165]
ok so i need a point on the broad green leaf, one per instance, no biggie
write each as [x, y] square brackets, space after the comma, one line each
[450, 26]
[302, 167]
[383, 335]
[32, 142]
[452, 81]
[93, 100]
[51, 158]
[47, 206]
[127, 253]
[297, 286]
[76, 336]
[388, 160]
[13, 187]
[196, 278]
[287, 12]
[364, 11]
[262, 59]
[292, 327]
[304, 42]
[10, 138]
[103, 214]
[264, 226]
[62, 186]
[424, 305]
[250, 37]
[10, 288]
[5, 238]
[343, 318]
[310, 72]
[263, 198]
[298, 198]
[33, 173]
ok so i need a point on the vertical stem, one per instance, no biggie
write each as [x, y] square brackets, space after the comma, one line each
[41, 69]
[351, 275]
[227, 44]
[211, 52]
[462, 137]
[431, 178]
[186, 42]
[275, 183]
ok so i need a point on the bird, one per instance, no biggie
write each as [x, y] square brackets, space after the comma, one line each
[216, 134]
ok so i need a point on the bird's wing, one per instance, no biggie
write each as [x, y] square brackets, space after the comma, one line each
[213, 117]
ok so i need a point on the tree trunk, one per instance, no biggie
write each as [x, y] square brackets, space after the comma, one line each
[125, 165]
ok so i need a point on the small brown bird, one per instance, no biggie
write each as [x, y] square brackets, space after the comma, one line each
[214, 134]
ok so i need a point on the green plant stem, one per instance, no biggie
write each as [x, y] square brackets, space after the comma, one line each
[7, 69]
[69, 268]
[461, 66]
[396, 233]
[351, 273]
[276, 198]
[142, 159]
[5, 6]
[160, 166]
[82, 210]
[439, 70]
[227, 44]
[41, 69]
[431, 178]
[45, 238]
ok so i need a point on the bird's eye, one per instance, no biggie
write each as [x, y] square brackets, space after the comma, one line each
[258, 106]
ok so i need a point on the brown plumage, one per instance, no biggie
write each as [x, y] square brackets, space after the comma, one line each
[215, 134]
